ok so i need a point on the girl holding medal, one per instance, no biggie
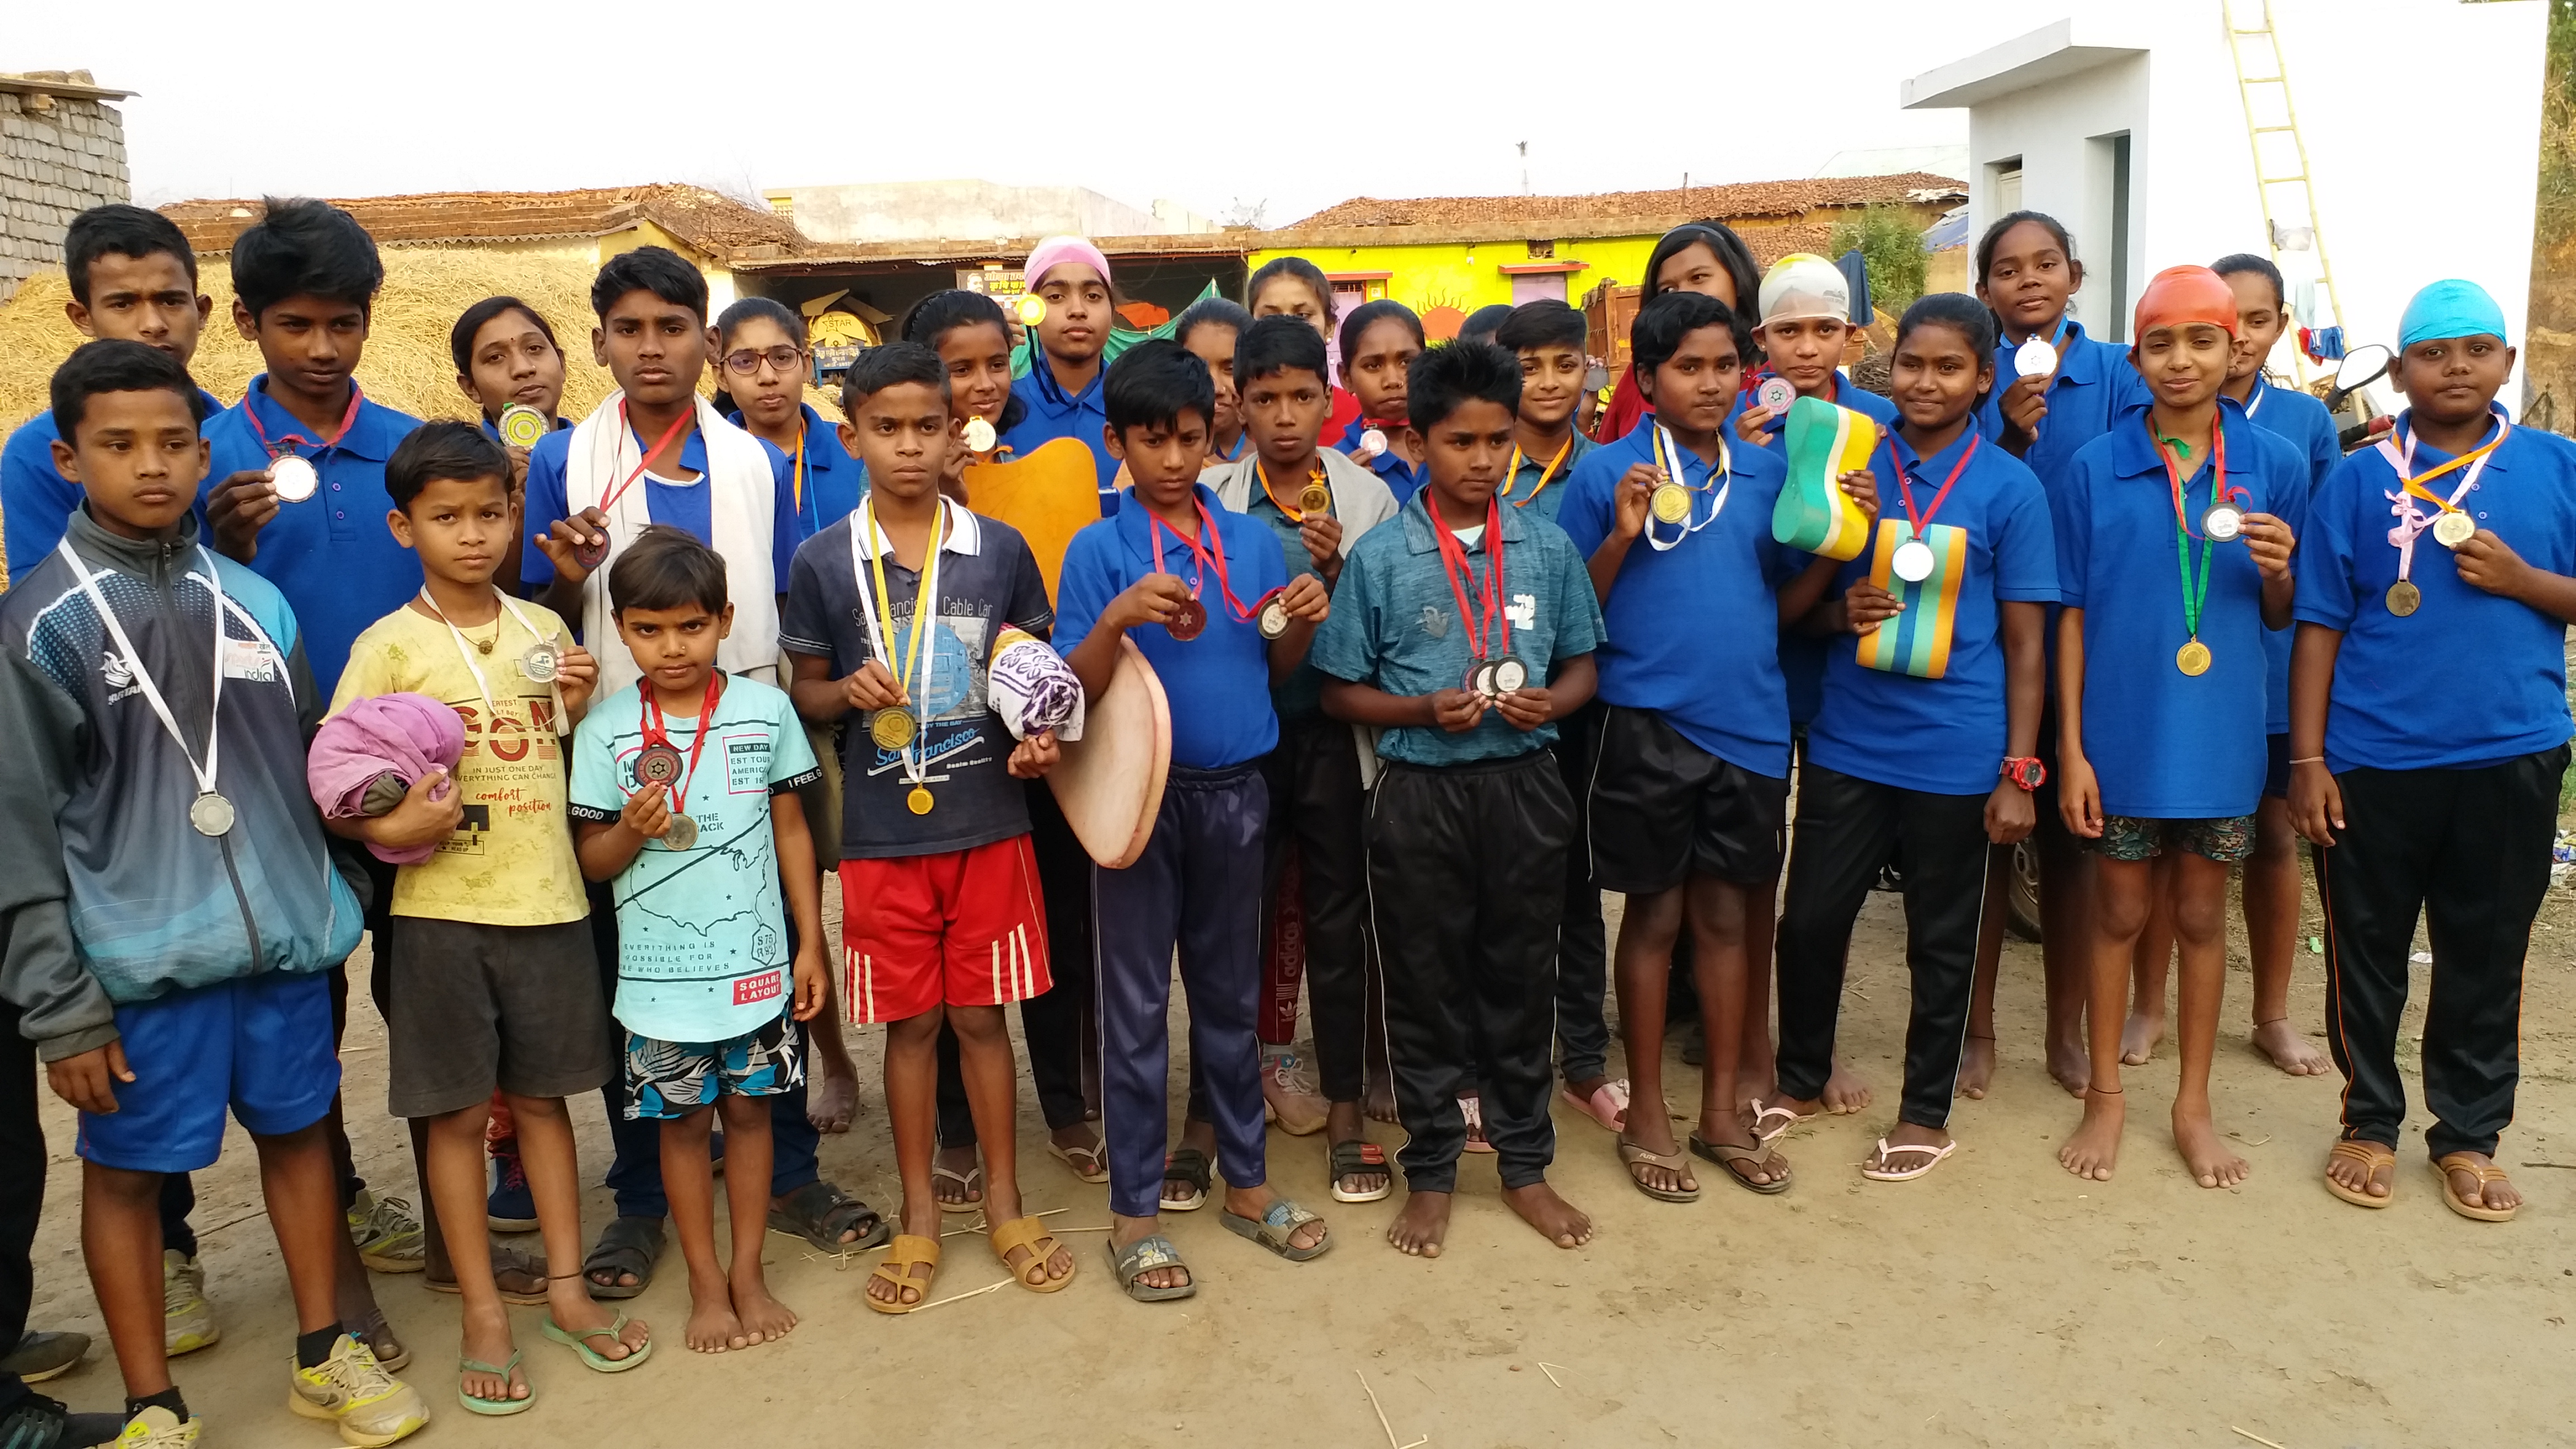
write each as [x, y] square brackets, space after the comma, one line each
[2161, 683]
[1379, 341]
[762, 366]
[510, 367]
[972, 336]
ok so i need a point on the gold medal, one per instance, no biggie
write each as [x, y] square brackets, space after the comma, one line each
[1670, 503]
[522, 426]
[893, 728]
[2404, 598]
[1032, 309]
[2453, 529]
[919, 800]
[2192, 658]
[1316, 498]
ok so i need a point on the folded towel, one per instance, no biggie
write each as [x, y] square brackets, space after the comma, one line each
[400, 737]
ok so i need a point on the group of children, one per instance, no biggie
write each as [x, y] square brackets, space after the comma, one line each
[1440, 668]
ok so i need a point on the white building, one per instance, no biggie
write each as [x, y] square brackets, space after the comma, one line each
[2125, 122]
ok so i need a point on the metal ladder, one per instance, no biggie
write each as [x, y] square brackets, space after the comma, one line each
[2280, 157]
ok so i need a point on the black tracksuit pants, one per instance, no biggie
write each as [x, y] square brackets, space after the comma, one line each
[1848, 828]
[22, 1189]
[2468, 851]
[1582, 955]
[1466, 870]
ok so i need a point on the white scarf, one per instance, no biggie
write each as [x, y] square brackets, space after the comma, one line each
[741, 509]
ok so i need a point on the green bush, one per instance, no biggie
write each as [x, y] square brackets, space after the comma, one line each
[1891, 250]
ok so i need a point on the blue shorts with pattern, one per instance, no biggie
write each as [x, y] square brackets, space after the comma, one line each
[2127, 837]
[666, 1079]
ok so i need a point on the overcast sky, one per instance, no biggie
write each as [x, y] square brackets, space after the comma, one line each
[1211, 105]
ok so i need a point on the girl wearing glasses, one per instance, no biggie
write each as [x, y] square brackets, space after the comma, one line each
[760, 348]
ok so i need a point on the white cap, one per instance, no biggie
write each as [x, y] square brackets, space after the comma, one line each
[1802, 285]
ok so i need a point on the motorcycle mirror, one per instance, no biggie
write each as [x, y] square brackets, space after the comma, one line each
[2360, 367]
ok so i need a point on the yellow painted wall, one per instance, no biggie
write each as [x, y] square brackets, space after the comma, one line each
[1468, 277]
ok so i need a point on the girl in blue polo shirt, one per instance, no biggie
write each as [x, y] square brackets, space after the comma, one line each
[2428, 738]
[1691, 783]
[1067, 309]
[761, 364]
[2027, 273]
[2161, 681]
[1926, 736]
[1379, 341]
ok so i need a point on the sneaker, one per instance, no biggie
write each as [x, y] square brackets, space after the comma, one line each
[187, 1319]
[158, 1428]
[388, 1234]
[371, 1406]
[43, 1355]
[509, 1207]
[1289, 1093]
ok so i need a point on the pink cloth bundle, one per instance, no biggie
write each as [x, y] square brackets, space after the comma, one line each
[375, 750]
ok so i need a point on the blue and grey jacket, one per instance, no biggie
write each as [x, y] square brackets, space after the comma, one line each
[107, 895]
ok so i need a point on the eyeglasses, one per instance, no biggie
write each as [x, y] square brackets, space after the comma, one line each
[782, 359]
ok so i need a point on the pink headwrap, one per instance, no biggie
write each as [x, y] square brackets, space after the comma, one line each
[1055, 251]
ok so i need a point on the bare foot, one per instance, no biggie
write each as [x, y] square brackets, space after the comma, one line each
[2289, 1049]
[2071, 1063]
[1845, 1092]
[2094, 1149]
[1418, 1229]
[712, 1325]
[2499, 1195]
[486, 1339]
[764, 1319]
[1380, 1104]
[1977, 1067]
[1557, 1220]
[957, 1178]
[832, 1104]
[2204, 1151]
[2139, 1036]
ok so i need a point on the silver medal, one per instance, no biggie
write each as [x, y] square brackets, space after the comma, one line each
[1913, 561]
[293, 478]
[1776, 394]
[1274, 619]
[2453, 529]
[212, 814]
[682, 835]
[2222, 523]
[1372, 443]
[541, 663]
[2035, 358]
[1509, 675]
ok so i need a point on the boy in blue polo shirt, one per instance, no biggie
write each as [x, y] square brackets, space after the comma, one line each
[1466, 669]
[181, 972]
[1204, 594]
[1068, 290]
[2428, 739]
[2161, 682]
[1935, 700]
[1690, 789]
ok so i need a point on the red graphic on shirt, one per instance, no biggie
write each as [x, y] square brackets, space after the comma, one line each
[758, 988]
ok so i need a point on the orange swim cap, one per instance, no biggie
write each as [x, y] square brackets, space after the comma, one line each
[2185, 294]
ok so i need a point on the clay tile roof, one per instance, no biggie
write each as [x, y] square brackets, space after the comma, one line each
[709, 221]
[1746, 199]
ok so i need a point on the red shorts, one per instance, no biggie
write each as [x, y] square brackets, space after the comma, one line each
[964, 928]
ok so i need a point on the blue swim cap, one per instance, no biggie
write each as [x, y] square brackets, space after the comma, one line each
[2451, 308]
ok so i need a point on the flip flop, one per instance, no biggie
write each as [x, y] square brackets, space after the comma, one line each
[1031, 1234]
[1143, 1256]
[896, 1267]
[2486, 1172]
[593, 1359]
[1359, 1159]
[1608, 1104]
[2372, 1156]
[1090, 1163]
[819, 1213]
[1762, 1114]
[1934, 1156]
[1187, 1164]
[971, 1180]
[1276, 1229]
[1630, 1154]
[1727, 1154]
[500, 1408]
[626, 1245]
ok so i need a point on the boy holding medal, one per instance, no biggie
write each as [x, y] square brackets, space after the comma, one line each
[153, 1019]
[1220, 639]
[1690, 789]
[894, 614]
[1318, 504]
[697, 843]
[1469, 827]
[2161, 682]
[496, 979]
[2428, 738]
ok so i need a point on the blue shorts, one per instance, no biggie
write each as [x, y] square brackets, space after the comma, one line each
[262, 1046]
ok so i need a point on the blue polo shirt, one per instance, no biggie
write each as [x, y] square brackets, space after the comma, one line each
[826, 484]
[1400, 477]
[2303, 422]
[36, 501]
[1546, 502]
[2166, 745]
[1694, 631]
[1945, 735]
[2469, 678]
[2094, 387]
[1219, 682]
[682, 506]
[1053, 413]
[1395, 624]
[1802, 656]
[332, 555]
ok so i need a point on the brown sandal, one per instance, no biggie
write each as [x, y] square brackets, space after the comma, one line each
[906, 1253]
[1631, 1155]
[2372, 1157]
[1031, 1234]
[2485, 1172]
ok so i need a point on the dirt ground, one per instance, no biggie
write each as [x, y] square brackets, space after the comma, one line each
[1998, 1302]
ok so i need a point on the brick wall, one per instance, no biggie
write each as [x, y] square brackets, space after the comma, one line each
[55, 161]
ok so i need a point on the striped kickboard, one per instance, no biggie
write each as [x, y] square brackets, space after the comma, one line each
[1917, 641]
[1814, 514]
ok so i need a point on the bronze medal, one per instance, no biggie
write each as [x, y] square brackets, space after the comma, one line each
[590, 555]
[1189, 622]
[657, 765]
[2192, 658]
[2404, 598]
[1274, 619]
[682, 835]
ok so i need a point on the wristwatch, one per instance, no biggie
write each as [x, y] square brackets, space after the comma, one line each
[2025, 771]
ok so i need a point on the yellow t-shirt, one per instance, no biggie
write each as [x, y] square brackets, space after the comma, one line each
[511, 862]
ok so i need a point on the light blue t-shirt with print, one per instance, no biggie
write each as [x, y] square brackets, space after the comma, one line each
[702, 932]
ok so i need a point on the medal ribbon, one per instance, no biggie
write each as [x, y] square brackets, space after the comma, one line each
[1204, 557]
[1295, 515]
[1487, 627]
[1905, 486]
[1513, 474]
[490, 709]
[811, 524]
[286, 441]
[1664, 443]
[925, 599]
[2218, 488]
[657, 732]
[609, 504]
[2410, 519]
[205, 773]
